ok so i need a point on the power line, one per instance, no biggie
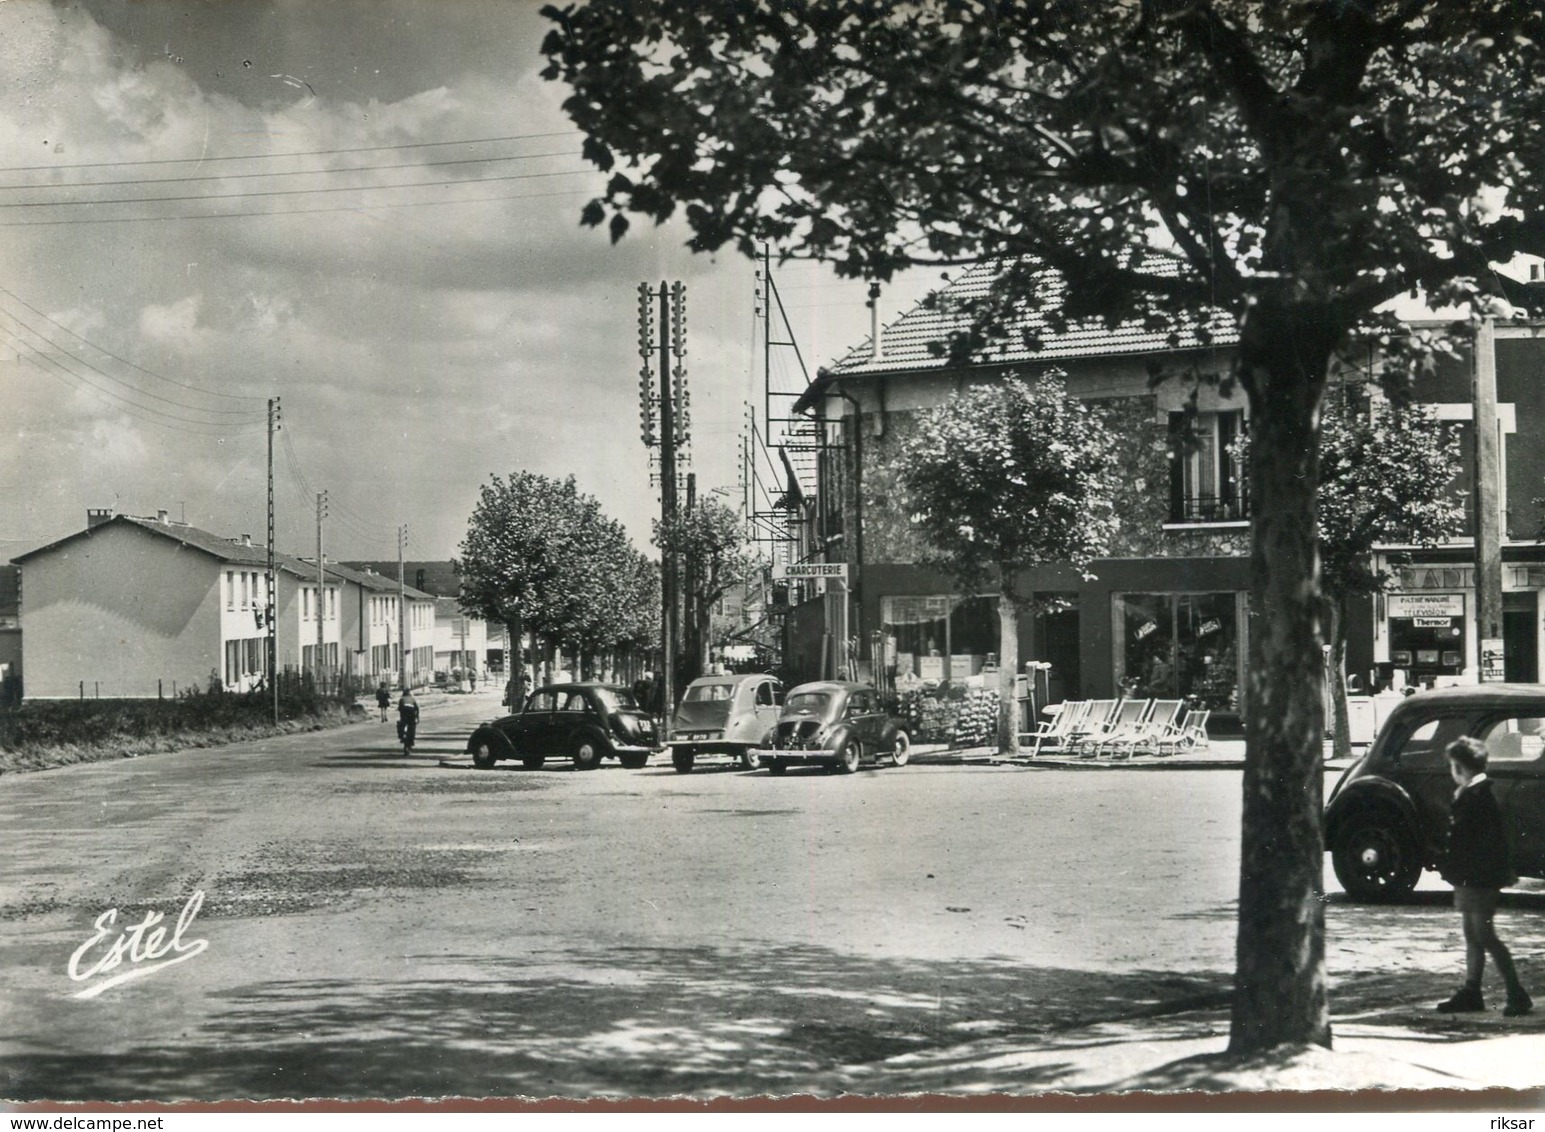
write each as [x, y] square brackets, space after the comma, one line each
[206, 159]
[125, 361]
[290, 211]
[246, 413]
[139, 411]
[276, 173]
[292, 192]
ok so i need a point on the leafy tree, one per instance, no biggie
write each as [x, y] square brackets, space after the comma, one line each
[1004, 477]
[540, 556]
[1385, 478]
[709, 542]
[1293, 165]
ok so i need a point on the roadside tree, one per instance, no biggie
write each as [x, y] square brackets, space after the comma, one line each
[1386, 476]
[709, 542]
[1293, 165]
[1004, 477]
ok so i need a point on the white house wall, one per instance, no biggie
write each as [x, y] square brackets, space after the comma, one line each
[123, 612]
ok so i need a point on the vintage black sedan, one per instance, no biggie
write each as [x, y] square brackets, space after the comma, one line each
[1387, 819]
[838, 725]
[584, 722]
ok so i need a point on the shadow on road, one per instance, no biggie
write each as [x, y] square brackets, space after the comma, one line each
[639, 1021]
[606, 1021]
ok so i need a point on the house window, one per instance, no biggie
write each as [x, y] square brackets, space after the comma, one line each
[332, 603]
[1206, 484]
[230, 589]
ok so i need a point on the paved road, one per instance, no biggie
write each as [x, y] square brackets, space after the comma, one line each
[376, 926]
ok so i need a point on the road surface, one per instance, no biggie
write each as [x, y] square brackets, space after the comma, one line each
[360, 925]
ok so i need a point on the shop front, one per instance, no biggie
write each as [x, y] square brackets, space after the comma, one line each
[1424, 632]
[1181, 646]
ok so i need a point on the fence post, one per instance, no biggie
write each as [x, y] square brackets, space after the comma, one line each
[159, 696]
[83, 691]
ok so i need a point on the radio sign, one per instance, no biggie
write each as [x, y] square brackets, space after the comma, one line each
[1427, 605]
[784, 571]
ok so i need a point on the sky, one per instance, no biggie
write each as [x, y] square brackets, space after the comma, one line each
[367, 209]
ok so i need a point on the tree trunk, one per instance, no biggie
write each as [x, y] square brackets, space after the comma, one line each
[1279, 991]
[1336, 662]
[1008, 661]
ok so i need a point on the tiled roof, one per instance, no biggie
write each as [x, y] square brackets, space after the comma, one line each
[238, 553]
[904, 344]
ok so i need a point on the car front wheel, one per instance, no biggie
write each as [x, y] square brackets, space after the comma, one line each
[1375, 858]
[483, 755]
[750, 760]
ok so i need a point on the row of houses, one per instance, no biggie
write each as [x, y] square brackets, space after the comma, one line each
[132, 607]
[1168, 609]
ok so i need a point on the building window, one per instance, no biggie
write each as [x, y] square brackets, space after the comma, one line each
[1206, 482]
[230, 589]
[938, 637]
[1172, 646]
[332, 603]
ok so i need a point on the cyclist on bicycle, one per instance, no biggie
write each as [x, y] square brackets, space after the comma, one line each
[407, 719]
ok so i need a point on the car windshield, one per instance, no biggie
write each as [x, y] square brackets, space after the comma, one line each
[708, 693]
[808, 703]
[617, 699]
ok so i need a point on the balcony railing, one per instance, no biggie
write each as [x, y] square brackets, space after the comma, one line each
[1211, 509]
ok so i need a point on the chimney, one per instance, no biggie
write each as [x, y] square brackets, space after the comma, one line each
[96, 516]
[163, 515]
[246, 540]
[876, 349]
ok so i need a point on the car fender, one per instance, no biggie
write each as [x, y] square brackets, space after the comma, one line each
[496, 739]
[1365, 794]
[839, 735]
[593, 732]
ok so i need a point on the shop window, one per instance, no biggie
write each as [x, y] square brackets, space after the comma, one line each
[1180, 645]
[937, 637]
[1206, 483]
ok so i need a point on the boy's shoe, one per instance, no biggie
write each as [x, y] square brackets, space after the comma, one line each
[1518, 1003]
[1466, 1000]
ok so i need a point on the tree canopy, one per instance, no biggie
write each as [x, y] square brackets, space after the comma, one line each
[541, 554]
[1010, 475]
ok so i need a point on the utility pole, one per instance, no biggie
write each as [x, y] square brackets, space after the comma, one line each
[673, 436]
[272, 610]
[402, 607]
[321, 603]
[689, 610]
[1488, 519]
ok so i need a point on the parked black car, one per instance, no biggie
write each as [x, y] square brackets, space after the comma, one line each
[836, 724]
[584, 722]
[1387, 817]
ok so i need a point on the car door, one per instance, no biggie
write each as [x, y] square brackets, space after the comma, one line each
[575, 713]
[767, 703]
[528, 732]
[861, 716]
[1515, 748]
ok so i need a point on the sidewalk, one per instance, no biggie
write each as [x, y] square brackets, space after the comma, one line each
[1219, 754]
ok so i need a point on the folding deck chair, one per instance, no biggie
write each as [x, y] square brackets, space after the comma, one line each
[1051, 734]
[1124, 720]
[1161, 723]
[1191, 735]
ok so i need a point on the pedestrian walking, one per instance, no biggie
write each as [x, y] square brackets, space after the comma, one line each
[407, 719]
[1478, 865]
[383, 700]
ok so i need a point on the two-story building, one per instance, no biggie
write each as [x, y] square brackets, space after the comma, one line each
[137, 607]
[1167, 610]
